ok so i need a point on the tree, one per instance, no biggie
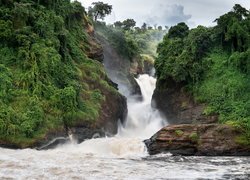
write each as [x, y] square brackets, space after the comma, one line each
[159, 28]
[118, 24]
[178, 31]
[240, 11]
[150, 27]
[199, 41]
[99, 10]
[233, 29]
[128, 24]
[144, 27]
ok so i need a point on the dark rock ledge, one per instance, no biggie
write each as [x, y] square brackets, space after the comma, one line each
[198, 139]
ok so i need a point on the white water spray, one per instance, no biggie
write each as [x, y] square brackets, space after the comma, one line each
[142, 122]
[118, 157]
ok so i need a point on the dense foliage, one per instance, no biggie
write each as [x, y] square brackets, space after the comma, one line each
[213, 64]
[131, 41]
[45, 76]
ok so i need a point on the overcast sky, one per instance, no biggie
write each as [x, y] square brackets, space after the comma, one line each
[169, 12]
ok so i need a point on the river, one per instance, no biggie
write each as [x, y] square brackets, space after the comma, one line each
[121, 157]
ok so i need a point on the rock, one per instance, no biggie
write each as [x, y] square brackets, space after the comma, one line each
[94, 49]
[178, 106]
[113, 111]
[118, 69]
[142, 65]
[113, 108]
[202, 139]
[54, 143]
[80, 134]
[148, 68]
[5, 144]
[51, 139]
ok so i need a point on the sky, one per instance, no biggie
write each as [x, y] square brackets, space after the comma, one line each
[169, 12]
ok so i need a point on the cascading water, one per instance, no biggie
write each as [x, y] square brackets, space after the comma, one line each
[142, 122]
[119, 157]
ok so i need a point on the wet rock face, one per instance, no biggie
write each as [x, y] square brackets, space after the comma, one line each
[136, 68]
[113, 110]
[82, 133]
[94, 49]
[52, 139]
[203, 139]
[118, 69]
[178, 106]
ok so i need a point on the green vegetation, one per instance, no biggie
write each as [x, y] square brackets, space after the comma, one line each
[194, 136]
[46, 80]
[179, 132]
[213, 64]
[135, 44]
[127, 39]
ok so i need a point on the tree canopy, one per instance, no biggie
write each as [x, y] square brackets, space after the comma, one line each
[213, 64]
[99, 10]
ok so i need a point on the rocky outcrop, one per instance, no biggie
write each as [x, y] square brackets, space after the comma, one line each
[113, 110]
[202, 139]
[144, 64]
[118, 69]
[94, 49]
[178, 105]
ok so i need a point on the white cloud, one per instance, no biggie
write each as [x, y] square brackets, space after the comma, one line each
[169, 12]
[167, 15]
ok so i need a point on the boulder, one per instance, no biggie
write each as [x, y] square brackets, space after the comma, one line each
[202, 139]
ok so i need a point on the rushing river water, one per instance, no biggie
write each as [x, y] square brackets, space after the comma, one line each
[121, 157]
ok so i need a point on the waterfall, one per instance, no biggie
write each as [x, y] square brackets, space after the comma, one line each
[142, 122]
[120, 157]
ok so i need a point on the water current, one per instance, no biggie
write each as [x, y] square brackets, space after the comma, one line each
[123, 156]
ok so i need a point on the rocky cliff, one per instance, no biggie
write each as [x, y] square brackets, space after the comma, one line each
[53, 83]
[113, 107]
[179, 106]
[118, 69]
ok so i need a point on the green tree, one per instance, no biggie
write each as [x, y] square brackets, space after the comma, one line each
[99, 10]
[212, 64]
[128, 24]
[144, 27]
[181, 53]
[159, 28]
[233, 29]
[178, 31]
[118, 24]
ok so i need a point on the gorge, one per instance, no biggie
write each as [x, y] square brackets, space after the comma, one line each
[81, 99]
[122, 156]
